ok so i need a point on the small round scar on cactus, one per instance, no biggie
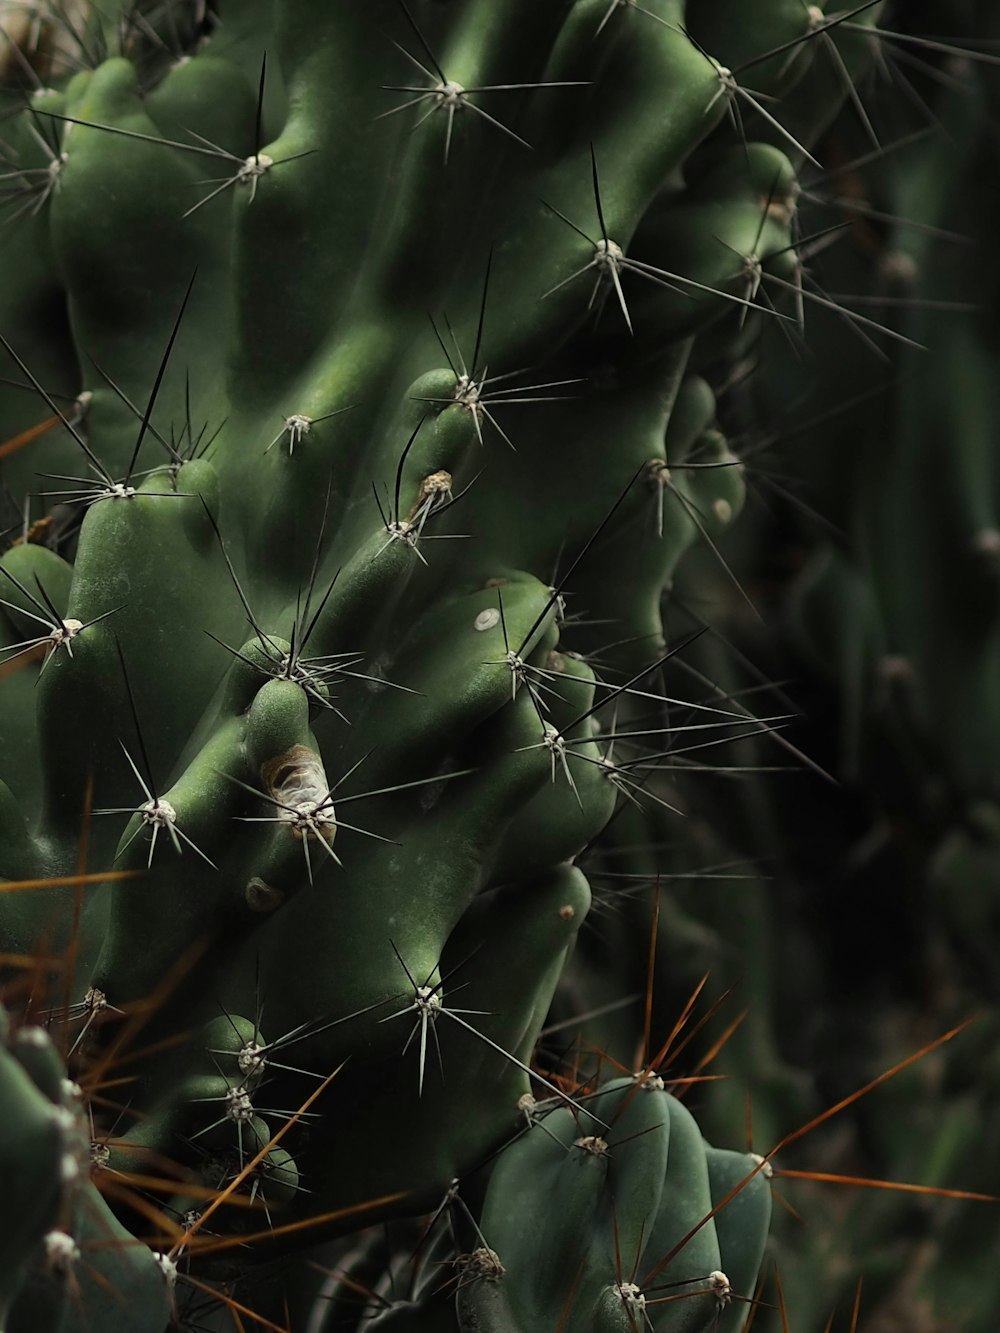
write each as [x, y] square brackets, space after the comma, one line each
[260, 896]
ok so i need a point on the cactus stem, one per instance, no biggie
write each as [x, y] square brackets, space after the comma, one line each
[451, 97]
[628, 4]
[298, 425]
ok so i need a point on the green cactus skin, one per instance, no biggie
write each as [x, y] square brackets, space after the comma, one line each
[347, 637]
[66, 1262]
[34, 1150]
[581, 1206]
[742, 1194]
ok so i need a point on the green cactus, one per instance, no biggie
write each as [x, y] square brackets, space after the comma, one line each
[361, 349]
[581, 1206]
[884, 906]
[66, 1261]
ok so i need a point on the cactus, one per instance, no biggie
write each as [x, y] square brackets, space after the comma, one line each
[580, 1207]
[58, 1267]
[365, 351]
[890, 647]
